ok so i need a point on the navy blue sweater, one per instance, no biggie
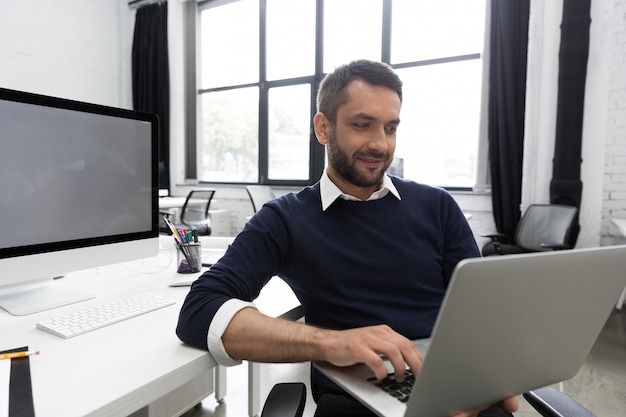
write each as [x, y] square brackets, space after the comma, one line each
[356, 264]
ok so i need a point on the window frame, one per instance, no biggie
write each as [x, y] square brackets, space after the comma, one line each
[317, 157]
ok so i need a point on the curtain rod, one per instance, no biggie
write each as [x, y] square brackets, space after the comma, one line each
[135, 4]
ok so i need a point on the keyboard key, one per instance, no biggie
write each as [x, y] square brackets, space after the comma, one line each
[400, 390]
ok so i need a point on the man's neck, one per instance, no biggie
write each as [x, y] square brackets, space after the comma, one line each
[362, 193]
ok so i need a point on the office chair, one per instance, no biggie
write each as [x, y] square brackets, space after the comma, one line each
[550, 402]
[285, 400]
[543, 227]
[194, 215]
[259, 195]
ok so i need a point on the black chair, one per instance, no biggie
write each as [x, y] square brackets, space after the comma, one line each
[259, 195]
[194, 215]
[543, 227]
[285, 400]
[550, 402]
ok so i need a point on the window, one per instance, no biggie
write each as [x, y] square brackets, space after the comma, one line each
[261, 61]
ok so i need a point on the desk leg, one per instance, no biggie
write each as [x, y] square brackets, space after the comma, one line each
[220, 383]
[254, 389]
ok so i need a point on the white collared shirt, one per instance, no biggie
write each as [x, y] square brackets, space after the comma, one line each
[329, 192]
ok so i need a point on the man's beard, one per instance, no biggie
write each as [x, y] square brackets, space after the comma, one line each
[339, 161]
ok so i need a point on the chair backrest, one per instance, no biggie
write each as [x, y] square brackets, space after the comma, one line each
[195, 210]
[545, 224]
[259, 195]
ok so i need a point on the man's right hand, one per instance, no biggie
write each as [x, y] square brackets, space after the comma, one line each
[369, 345]
[255, 337]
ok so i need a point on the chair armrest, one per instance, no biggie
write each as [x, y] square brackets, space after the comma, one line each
[285, 400]
[550, 402]
[294, 314]
[496, 237]
[556, 246]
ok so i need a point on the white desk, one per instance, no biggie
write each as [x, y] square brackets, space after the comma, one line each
[135, 365]
[171, 202]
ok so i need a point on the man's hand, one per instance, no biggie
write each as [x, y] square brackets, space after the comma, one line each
[255, 337]
[369, 345]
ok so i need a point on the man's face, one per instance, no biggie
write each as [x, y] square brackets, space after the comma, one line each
[362, 142]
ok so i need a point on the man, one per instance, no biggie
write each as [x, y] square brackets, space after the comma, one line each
[368, 256]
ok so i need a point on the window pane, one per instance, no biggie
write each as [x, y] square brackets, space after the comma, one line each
[290, 38]
[230, 44]
[230, 136]
[352, 30]
[435, 29]
[438, 135]
[289, 125]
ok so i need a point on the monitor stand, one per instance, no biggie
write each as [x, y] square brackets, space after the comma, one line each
[38, 295]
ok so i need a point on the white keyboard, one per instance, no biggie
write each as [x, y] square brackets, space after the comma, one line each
[83, 321]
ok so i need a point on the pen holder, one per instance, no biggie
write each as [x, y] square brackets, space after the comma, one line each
[189, 258]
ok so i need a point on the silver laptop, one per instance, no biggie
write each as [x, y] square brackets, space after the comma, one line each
[507, 325]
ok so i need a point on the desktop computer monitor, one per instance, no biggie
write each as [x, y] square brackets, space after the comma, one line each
[78, 189]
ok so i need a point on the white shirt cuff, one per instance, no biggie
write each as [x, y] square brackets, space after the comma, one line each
[218, 326]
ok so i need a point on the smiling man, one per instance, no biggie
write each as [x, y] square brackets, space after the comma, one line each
[367, 126]
[368, 255]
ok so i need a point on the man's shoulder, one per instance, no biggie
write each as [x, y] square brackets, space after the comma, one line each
[304, 197]
[412, 188]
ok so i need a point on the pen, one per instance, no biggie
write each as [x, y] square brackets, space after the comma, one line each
[173, 229]
[23, 354]
[179, 241]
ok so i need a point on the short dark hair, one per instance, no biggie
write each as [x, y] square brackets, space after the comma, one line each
[332, 93]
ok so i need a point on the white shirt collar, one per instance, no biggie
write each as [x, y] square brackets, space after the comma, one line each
[329, 192]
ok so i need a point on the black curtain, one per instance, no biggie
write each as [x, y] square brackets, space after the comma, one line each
[566, 185]
[151, 92]
[507, 96]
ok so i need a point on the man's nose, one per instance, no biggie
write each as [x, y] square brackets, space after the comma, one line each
[378, 140]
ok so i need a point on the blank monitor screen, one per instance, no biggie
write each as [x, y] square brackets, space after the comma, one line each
[73, 176]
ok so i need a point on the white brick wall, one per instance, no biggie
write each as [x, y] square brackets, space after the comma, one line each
[77, 49]
[614, 193]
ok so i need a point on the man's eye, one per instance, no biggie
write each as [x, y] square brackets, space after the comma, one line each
[361, 125]
[391, 129]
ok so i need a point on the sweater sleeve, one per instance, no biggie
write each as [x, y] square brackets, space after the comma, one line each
[218, 326]
[459, 241]
[250, 261]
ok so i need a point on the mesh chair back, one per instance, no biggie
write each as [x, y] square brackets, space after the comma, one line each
[259, 195]
[195, 211]
[545, 224]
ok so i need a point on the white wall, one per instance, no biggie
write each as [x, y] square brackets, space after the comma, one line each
[603, 170]
[614, 192]
[76, 49]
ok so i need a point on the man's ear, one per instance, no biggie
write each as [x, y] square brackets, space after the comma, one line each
[321, 124]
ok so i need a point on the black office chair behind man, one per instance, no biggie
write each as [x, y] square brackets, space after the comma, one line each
[194, 215]
[543, 227]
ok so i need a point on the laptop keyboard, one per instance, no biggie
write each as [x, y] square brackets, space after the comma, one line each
[400, 390]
